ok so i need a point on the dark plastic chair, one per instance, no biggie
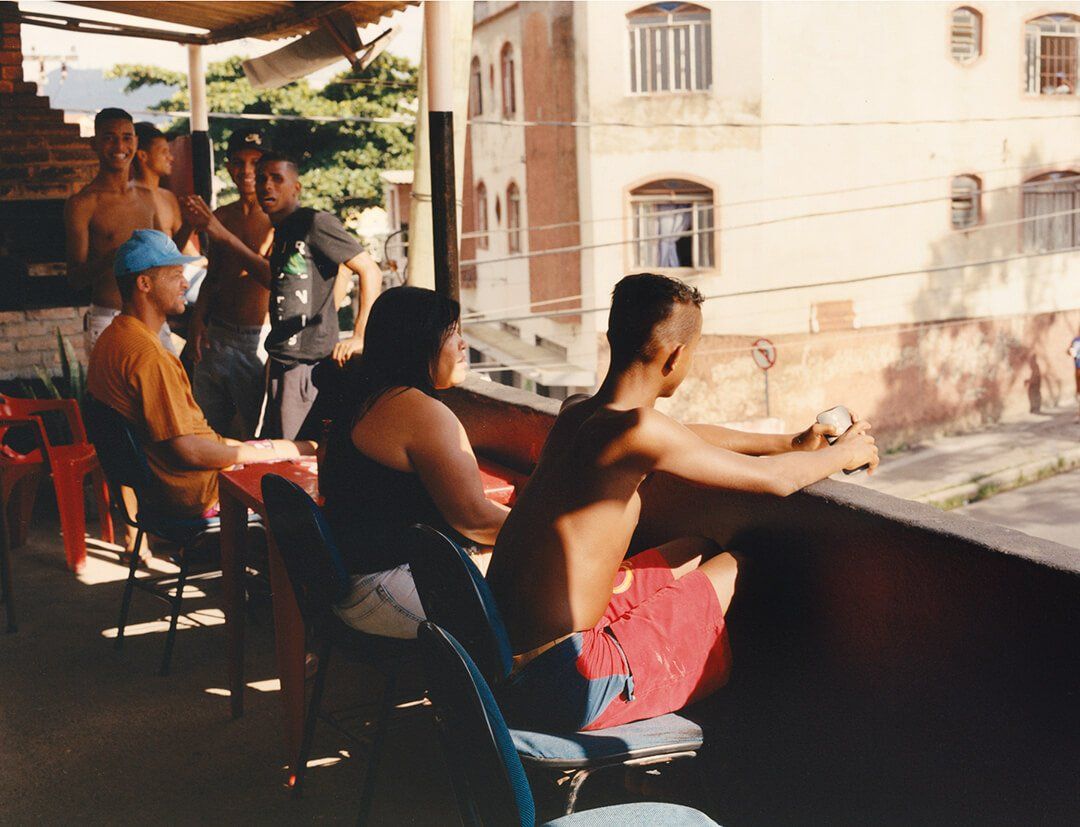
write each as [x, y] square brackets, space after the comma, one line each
[124, 462]
[319, 579]
[456, 596]
[489, 779]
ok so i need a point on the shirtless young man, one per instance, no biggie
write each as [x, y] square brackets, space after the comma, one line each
[101, 217]
[229, 326]
[154, 161]
[603, 640]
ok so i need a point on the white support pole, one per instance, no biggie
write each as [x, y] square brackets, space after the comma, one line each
[202, 160]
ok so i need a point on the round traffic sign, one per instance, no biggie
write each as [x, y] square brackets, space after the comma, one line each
[764, 353]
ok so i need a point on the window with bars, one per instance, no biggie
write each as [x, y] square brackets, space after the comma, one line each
[513, 218]
[506, 62]
[476, 88]
[1052, 205]
[672, 224]
[670, 48]
[966, 201]
[481, 217]
[1051, 47]
[965, 37]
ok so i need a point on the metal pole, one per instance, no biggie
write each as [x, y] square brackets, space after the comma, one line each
[438, 39]
[202, 156]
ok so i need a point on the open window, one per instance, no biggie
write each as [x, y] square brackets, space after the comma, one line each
[1051, 51]
[476, 88]
[673, 224]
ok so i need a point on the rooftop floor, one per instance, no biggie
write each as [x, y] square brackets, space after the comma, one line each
[93, 735]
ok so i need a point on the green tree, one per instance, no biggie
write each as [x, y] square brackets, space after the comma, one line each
[340, 161]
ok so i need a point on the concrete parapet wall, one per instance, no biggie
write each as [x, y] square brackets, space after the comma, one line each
[893, 664]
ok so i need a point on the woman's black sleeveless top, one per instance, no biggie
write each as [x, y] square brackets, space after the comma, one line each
[369, 506]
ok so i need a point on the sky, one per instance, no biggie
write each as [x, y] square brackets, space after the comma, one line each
[97, 51]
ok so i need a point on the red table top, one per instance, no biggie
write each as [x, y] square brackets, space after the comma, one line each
[245, 483]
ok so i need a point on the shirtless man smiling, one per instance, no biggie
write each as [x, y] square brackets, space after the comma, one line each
[603, 639]
[230, 322]
[154, 161]
[101, 217]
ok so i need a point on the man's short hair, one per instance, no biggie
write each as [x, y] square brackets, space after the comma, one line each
[147, 133]
[644, 314]
[279, 158]
[111, 113]
[125, 283]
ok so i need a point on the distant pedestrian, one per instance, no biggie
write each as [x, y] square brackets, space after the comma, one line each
[1074, 352]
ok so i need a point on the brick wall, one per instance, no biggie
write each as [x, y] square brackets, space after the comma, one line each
[41, 157]
[28, 339]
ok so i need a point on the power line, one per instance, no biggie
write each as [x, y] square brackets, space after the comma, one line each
[834, 283]
[763, 124]
[753, 224]
[256, 116]
[775, 198]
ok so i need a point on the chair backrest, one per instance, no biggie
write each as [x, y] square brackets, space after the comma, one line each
[118, 448]
[306, 545]
[66, 410]
[455, 595]
[489, 779]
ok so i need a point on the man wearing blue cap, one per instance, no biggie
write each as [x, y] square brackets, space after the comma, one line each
[132, 373]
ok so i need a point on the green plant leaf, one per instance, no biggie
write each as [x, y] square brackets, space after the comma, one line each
[50, 386]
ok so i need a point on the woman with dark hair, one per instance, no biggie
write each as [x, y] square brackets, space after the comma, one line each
[399, 456]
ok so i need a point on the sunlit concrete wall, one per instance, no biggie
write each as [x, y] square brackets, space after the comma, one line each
[809, 211]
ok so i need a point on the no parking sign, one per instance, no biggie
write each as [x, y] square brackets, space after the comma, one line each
[764, 354]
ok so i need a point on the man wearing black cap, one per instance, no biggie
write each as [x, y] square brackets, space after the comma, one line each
[229, 325]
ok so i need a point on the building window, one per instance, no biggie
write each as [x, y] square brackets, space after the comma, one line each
[476, 88]
[673, 224]
[966, 201]
[513, 218]
[506, 61]
[965, 37]
[1052, 212]
[481, 217]
[1051, 47]
[670, 48]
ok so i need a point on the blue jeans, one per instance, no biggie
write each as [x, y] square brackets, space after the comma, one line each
[230, 379]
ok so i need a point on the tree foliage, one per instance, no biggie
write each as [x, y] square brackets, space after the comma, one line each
[340, 161]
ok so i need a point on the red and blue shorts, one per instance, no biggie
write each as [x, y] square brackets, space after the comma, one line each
[660, 645]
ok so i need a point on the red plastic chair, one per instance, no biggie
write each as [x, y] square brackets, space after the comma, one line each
[69, 465]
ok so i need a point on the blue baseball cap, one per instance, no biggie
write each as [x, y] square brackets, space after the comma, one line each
[146, 249]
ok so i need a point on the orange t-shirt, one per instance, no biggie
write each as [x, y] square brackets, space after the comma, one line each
[135, 376]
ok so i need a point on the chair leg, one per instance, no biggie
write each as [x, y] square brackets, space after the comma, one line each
[129, 587]
[101, 492]
[575, 787]
[22, 508]
[386, 709]
[170, 638]
[72, 508]
[300, 764]
[6, 589]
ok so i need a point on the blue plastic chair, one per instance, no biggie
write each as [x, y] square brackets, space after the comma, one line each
[489, 779]
[456, 596]
[125, 465]
[319, 579]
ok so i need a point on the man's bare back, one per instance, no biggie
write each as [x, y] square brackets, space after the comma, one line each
[555, 561]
